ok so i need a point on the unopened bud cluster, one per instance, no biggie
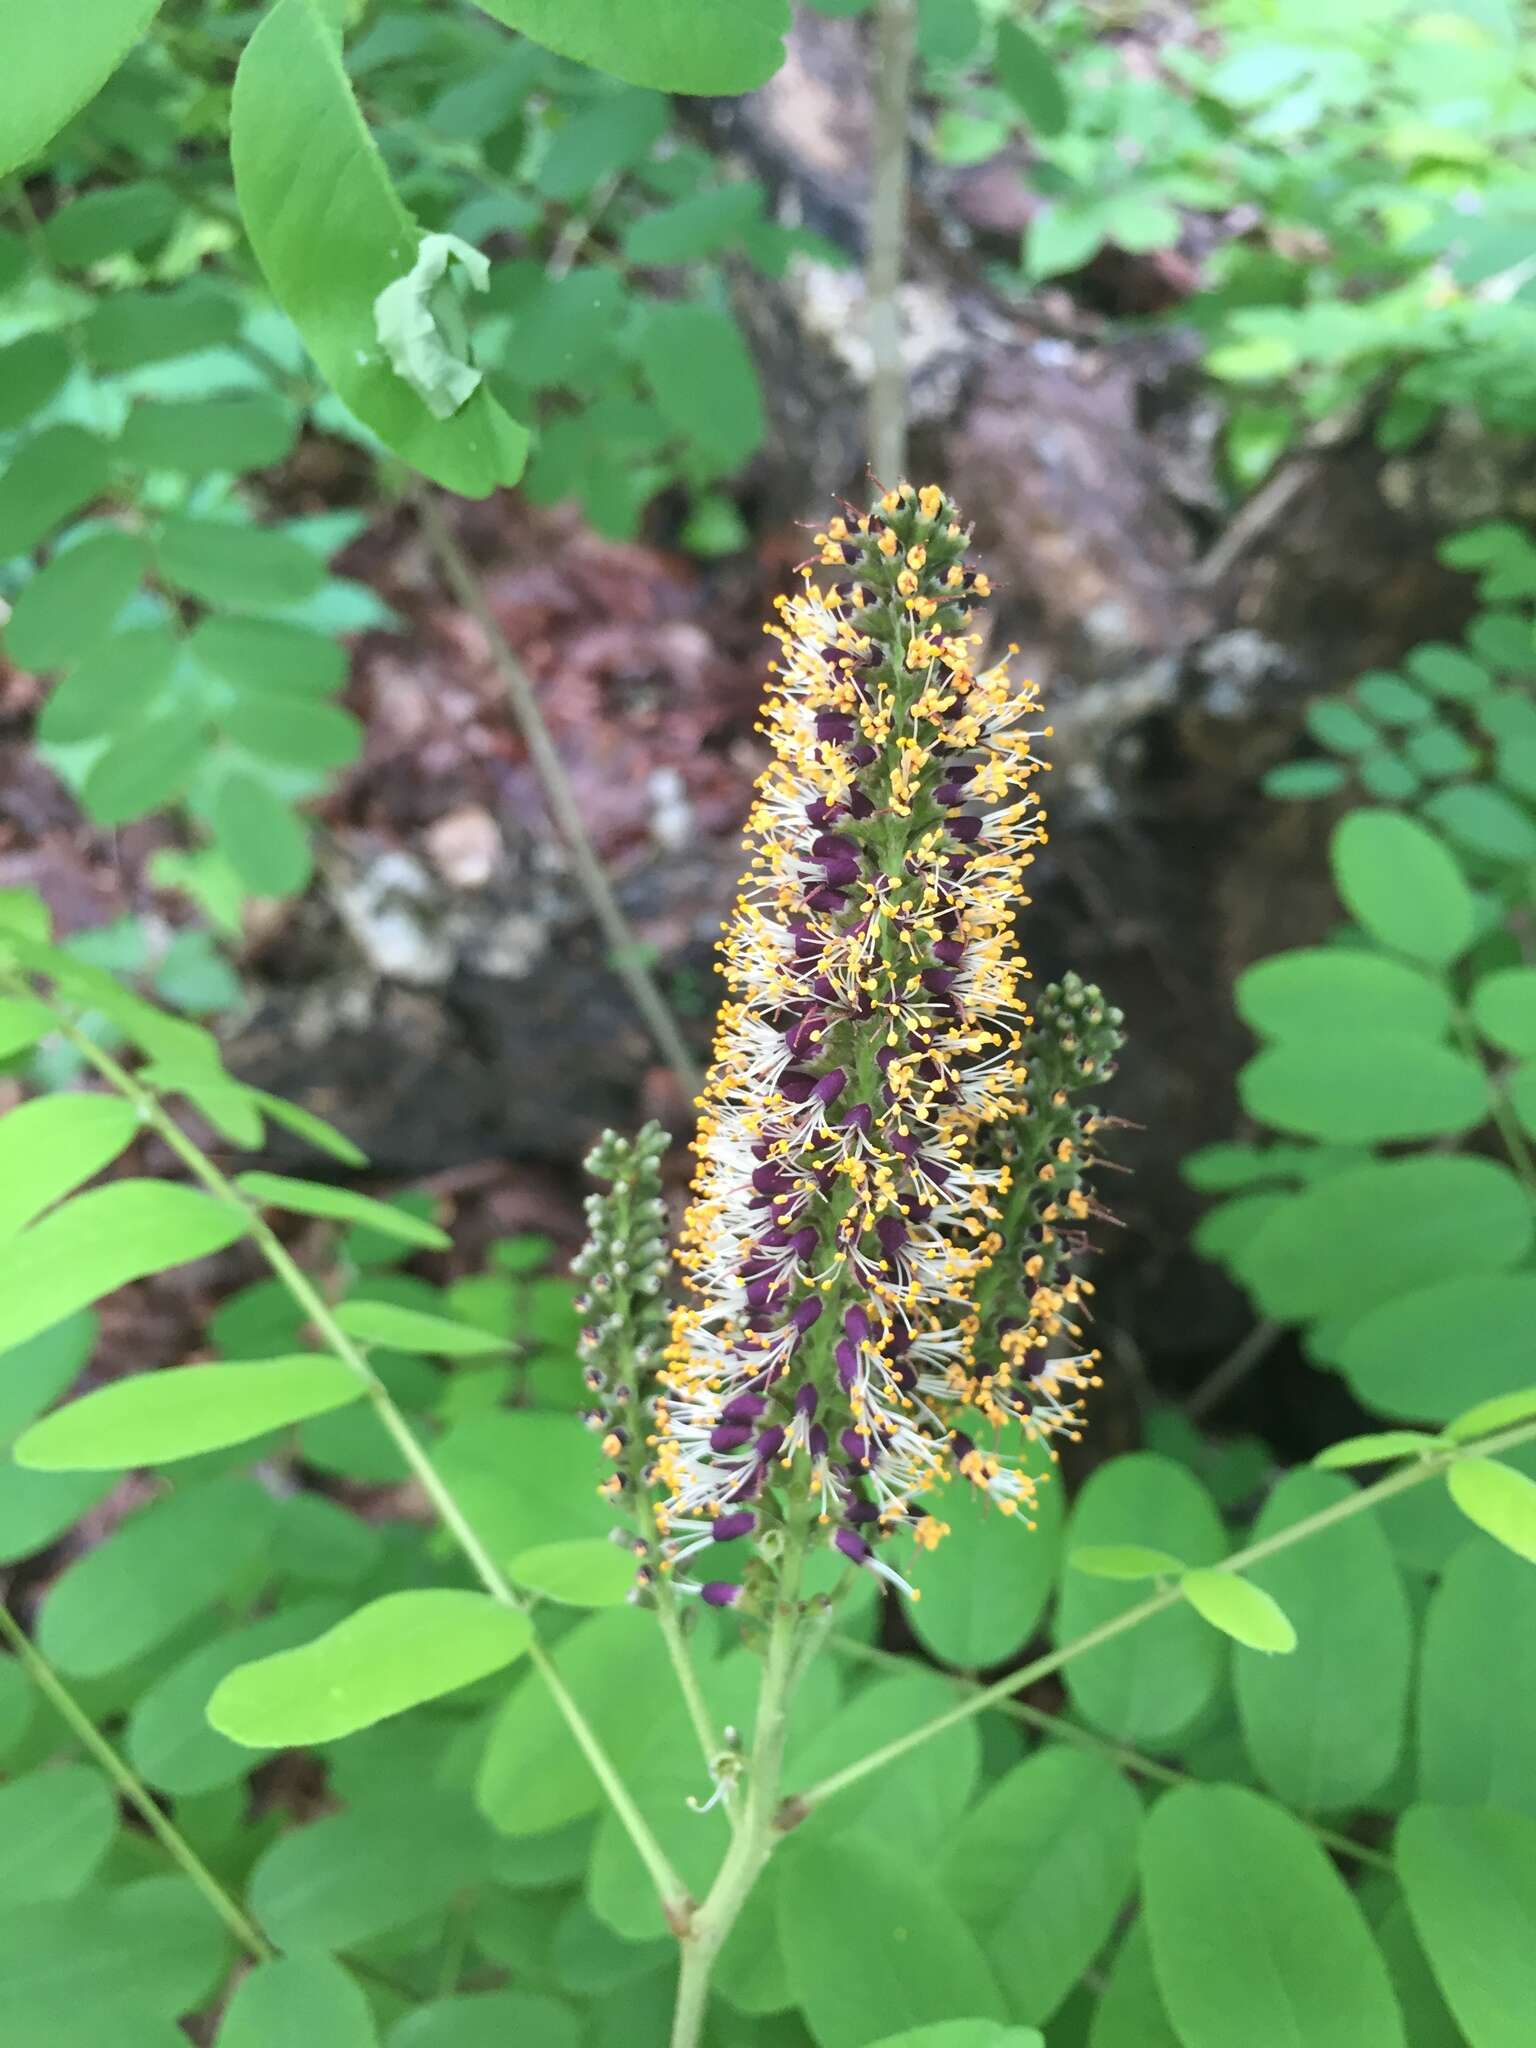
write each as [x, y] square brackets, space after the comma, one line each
[623, 1267]
[1033, 1298]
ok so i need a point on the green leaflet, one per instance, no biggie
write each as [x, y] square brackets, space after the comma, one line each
[1470, 1879]
[1243, 1611]
[905, 1956]
[157, 1417]
[1041, 1867]
[100, 1241]
[675, 45]
[1325, 1726]
[48, 76]
[331, 242]
[1477, 1740]
[1255, 1937]
[1148, 1685]
[298, 1998]
[392, 1654]
[165, 1565]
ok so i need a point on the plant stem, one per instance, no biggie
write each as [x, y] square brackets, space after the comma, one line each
[759, 1832]
[1059, 1729]
[669, 1885]
[1503, 1116]
[1233, 1370]
[132, 1788]
[670, 1623]
[895, 43]
[1003, 1689]
[624, 946]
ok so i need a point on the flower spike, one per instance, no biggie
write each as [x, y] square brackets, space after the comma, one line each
[623, 1267]
[870, 1114]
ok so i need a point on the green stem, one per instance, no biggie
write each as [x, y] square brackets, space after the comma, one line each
[673, 1892]
[1003, 1689]
[132, 1788]
[1504, 1117]
[670, 1623]
[759, 1832]
[1233, 1370]
[565, 808]
[895, 47]
[1061, 1730]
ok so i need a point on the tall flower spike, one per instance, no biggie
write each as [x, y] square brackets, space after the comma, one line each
[851, 1189]
[1031, 1299]
[623, 1265]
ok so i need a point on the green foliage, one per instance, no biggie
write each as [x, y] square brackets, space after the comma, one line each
[298, 1997]
[906, 1956]
[226, 1622]
[1238, 1896]
[1239, 1609]
[163, 340]
[161, 1417]
[1150, 1685]
[437, 1857]
[329, 258]
[680, 46]
[393, 1654]
[1043, 1864]
[1325, 1727]
[1470, 1881]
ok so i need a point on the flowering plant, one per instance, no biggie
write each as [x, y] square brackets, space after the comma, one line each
[879, 1333]
[880, 1298]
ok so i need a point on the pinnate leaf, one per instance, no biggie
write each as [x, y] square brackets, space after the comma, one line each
[1239, 1609]
[49, 76]
[1125, 1561]
[99, 1242]
[410, 1329]
[1255, 1936]
[690, 46]
[1469, 1874]
[391, 1655]
[298, 1998]
[1498, 1499]
[585, 1572]
[317, 1198]
[155, 1418]
[330, 243]
[1401, 884]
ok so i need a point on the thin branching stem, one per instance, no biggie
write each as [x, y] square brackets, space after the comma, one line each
[1059, 1729]
[625, 949]
[1003, 1689]
[670, 1887]
[132, 1788]
[759, 1833]
[671, 1625]
[1505, 1120]
[895, 44]
[1227, 1377]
